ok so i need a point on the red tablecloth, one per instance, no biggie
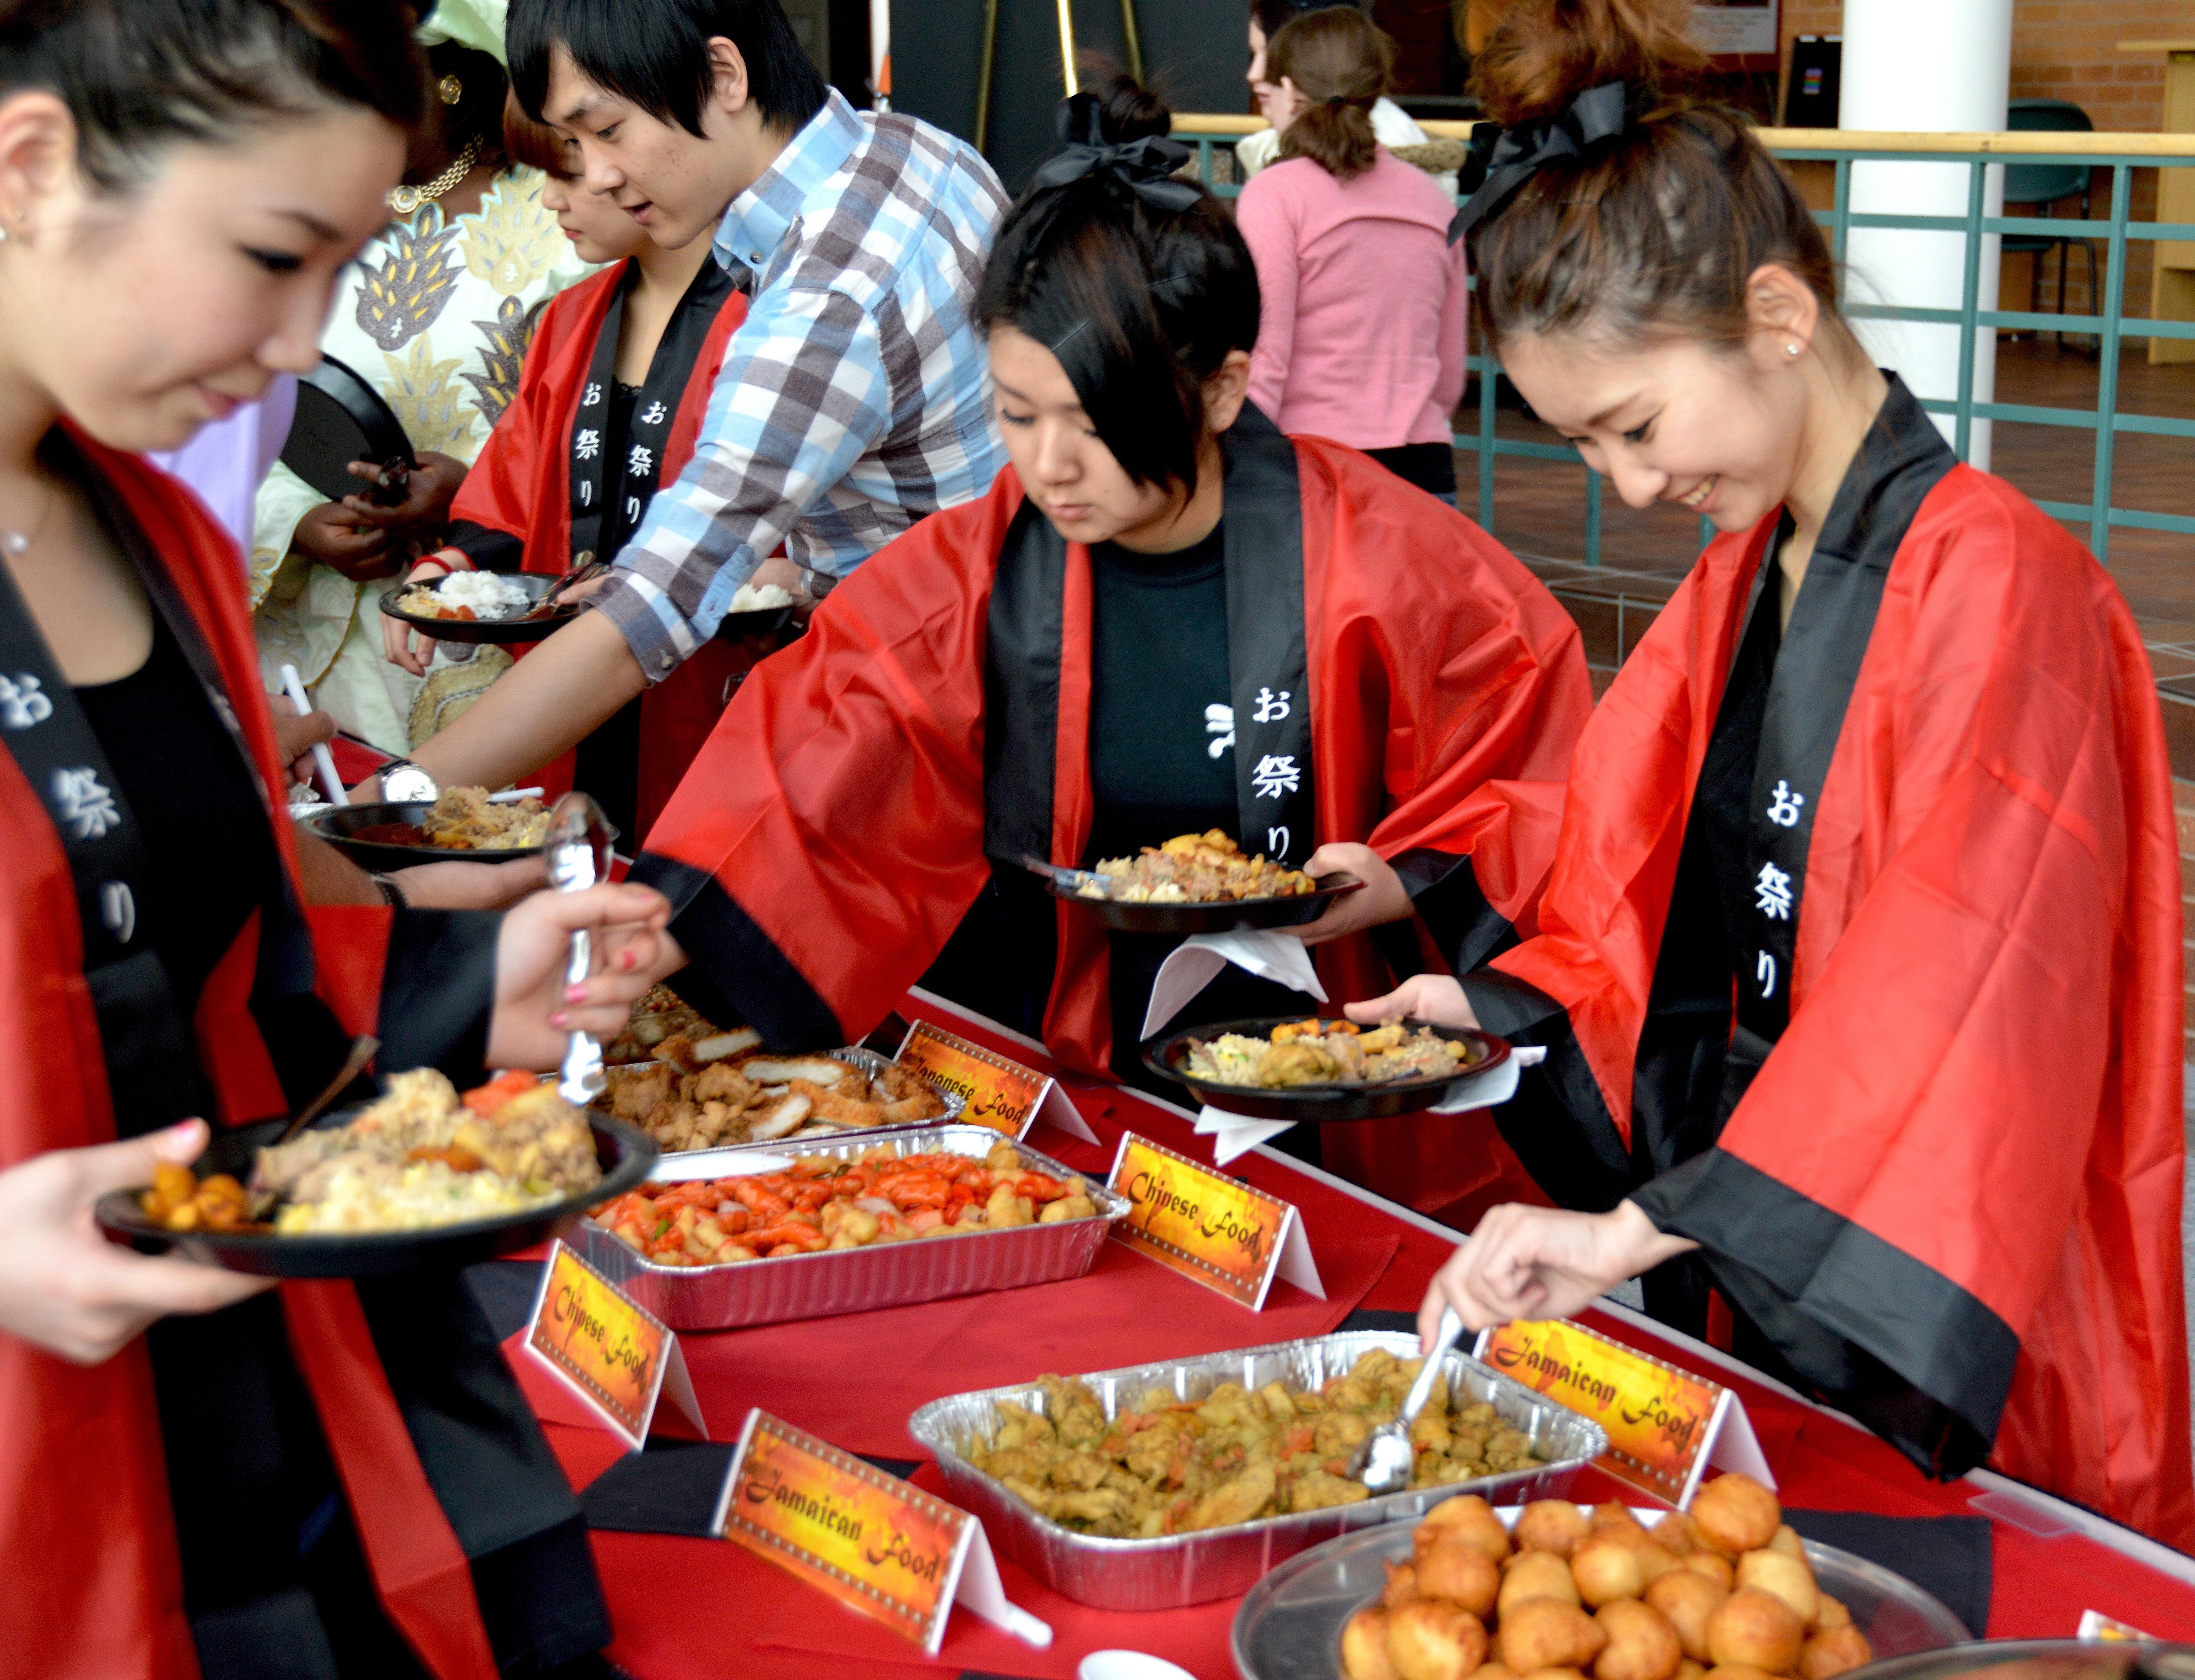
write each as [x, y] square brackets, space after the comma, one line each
[698, 1607]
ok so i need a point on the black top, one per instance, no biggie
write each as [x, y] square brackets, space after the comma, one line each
[1162, 725]
[208, 849]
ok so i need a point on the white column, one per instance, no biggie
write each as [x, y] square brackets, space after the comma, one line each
[1936, 67]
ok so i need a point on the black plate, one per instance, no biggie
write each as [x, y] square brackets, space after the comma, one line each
[339, 822]
[1225, 916]
[341, 419]
[626, 1157]
[762, 621]
[1164, 1057]
[501, 632]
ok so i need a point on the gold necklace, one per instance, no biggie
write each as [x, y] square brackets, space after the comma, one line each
[406, 200]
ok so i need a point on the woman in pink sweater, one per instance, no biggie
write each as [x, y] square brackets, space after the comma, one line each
[1361, 336]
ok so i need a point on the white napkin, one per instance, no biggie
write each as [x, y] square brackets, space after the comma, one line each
[1190, 966]
[1234, 1134]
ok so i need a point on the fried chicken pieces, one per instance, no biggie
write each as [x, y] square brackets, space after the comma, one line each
[752, 1096]
[1176, 1466]
[1723, 1594]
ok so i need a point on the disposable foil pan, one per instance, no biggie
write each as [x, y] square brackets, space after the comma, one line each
[851, 1279]
[1179, 1569]
[870, 1062]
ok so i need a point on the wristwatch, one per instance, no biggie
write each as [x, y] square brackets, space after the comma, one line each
[403, 782]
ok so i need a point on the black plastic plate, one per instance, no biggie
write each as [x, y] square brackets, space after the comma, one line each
[1168, 1057]
[626, 1156]
[1215, 916]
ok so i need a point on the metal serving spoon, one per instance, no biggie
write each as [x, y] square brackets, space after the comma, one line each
[1382, 1461]
[578, 851]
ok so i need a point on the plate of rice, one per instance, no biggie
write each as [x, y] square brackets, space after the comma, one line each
[479, 606]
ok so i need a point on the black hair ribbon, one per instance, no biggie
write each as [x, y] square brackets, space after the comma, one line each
[1145, 167]
[1593, 118]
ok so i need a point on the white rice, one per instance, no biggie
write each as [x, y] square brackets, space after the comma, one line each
[489, 595]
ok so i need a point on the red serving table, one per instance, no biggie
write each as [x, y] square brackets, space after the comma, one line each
[694, 1607]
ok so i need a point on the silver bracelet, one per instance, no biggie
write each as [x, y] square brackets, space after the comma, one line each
[391, 894]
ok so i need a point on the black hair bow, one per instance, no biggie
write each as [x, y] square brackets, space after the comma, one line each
[1145, 167]
[1593, 118]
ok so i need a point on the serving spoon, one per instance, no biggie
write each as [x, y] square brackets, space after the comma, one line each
[578, 852]
[1384, 1459]
[362, 1052]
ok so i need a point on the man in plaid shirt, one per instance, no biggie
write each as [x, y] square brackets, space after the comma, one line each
[854, 399]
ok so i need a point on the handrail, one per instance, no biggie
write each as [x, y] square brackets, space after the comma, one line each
[2049, 143]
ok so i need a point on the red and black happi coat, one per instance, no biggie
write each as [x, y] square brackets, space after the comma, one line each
[1860, 966]
[544, 486]
[935, 720]
[438, 1460]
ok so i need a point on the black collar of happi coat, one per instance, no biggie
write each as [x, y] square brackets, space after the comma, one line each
[1268, 667]
[1809, 672]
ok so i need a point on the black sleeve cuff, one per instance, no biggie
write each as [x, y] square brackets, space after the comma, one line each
[1515, 1008]
[1444, 891]
[1876, 1332]
[437, 989]
[736, 976]
[487, 548]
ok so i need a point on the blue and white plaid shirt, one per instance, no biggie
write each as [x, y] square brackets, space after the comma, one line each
[855, 396]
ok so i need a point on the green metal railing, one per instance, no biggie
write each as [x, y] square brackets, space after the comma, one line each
[2121, 154]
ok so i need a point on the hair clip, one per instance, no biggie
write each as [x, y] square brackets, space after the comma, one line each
[449, 90]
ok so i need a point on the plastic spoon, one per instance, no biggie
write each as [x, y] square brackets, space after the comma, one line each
[1384, 1461]
[578, 851]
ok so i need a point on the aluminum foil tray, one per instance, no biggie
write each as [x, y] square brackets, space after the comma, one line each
[1179, 1569]
[851, 1279]
[870, 1062]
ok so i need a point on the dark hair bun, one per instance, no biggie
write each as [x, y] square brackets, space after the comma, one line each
[1127, 111]
[1544, 53]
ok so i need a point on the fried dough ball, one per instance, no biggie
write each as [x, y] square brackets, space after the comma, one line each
[1548, 1633]
[1493, 1671]
[1536, 1574]
[1641, 1643]
[1675, 1535]
[1736, 1514]
[1834, 1650]
[1688, 1670]
[1552, 1674]
[1688, 1598]
[1615, 1518]
[1428, 1640]
[1753, 1629]
[1738, 1670]
[1402, 1585]
[1552, 1525]
[1786, 1540]
[1788, 1577]
[1458, 1571]
[1830, 1612]
[1606, 1568]
[1364, 1646]
[1715, 1565]
[1466, 1517]
[1654, 1562]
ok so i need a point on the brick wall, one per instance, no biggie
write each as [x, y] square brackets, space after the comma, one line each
[2068, 50]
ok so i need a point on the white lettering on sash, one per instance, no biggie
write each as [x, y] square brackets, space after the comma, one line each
[1220, 724]
[22, 703]
[1771, 891]
[1783, 806]
[1275, 774]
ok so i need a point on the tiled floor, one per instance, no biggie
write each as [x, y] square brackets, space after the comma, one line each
[1539, 513]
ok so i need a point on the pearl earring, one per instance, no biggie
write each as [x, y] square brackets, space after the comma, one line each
[1791, 349]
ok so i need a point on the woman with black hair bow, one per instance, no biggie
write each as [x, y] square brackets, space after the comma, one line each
[1166, 616]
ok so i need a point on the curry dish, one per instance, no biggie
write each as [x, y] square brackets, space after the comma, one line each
[1207, 868]
[1174, 1466]
[1579, 1590]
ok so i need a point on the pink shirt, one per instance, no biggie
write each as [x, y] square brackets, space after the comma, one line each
[1361, 336]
